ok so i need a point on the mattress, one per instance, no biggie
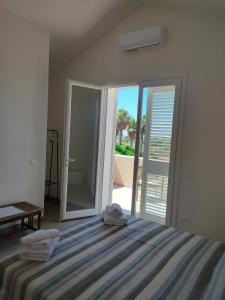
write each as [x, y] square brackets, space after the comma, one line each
[143, 260]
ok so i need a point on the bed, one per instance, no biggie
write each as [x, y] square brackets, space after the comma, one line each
[143, 260]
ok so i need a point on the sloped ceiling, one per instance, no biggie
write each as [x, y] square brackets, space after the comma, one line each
[75, 24]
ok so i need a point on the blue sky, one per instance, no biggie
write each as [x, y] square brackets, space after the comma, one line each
[128, 99]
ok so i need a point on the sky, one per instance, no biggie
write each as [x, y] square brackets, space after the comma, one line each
[128, 99]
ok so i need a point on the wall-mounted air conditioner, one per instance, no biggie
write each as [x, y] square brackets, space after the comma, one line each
[142, 38]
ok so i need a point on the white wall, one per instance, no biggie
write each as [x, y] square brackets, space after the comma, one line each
[123, 170]
[195, 46]
[23, 109]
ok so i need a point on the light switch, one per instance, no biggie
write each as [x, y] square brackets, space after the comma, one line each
[33, 162]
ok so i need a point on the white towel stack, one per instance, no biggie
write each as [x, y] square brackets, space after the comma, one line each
[113, 215]
[39, 245]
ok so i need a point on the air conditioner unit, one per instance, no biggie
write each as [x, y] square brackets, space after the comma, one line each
[142, 38]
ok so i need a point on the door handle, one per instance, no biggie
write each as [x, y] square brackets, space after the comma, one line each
[71, 160]
[68, 160]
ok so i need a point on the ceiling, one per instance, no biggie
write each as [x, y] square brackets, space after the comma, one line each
[75, 24]
[208, 6]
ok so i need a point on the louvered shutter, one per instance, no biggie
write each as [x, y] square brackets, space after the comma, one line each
[159, 124]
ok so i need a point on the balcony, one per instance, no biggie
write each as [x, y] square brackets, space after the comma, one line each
[154, 191]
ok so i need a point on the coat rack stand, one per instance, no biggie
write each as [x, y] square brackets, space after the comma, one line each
[53, 139]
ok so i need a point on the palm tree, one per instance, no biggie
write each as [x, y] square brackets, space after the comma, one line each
[122, 121]
[132, 130]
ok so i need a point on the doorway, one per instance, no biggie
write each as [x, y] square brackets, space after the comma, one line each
[124, 146]
[120, 145]
[143, 181]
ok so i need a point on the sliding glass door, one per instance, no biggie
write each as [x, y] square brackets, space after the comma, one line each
[155, 150]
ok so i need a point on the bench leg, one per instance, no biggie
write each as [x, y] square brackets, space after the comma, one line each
[39, 221]
[22, 223]
[30, 223]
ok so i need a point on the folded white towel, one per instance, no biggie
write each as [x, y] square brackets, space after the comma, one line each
[119, 221]
[41, 245]
[29, 253]
[34, 257]
[116, 222]
[114, 210]
[39, 235]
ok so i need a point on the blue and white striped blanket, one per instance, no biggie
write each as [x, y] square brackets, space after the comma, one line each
[143, 260]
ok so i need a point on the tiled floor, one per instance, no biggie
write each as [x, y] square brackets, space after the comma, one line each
[79, 197]
[122, 195]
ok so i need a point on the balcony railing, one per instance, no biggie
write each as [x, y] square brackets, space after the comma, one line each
[156, 195]
[155, 189]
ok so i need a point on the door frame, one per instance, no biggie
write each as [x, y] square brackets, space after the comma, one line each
[171, 206]
[175, 168]
[64, 215]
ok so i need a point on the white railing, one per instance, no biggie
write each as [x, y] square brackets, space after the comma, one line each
[156, 195]
[157, 182]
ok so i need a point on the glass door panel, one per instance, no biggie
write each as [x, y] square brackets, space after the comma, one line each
[81, 152]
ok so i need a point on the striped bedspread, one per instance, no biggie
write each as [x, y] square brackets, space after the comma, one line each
[143, 260]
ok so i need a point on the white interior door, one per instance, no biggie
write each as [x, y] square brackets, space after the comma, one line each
[156, 181]
[83, 150]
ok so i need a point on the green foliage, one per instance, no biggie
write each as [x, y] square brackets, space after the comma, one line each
[132, 124]
[122, 113]
[122, 120]
[159, 147]
[124, 150]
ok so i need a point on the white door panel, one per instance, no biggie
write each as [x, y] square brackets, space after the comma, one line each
[83, 150]
[157, 149]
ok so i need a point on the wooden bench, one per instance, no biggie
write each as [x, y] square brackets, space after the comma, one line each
[29, 212]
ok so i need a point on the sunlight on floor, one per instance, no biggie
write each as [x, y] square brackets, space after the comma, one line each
[122, 196]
